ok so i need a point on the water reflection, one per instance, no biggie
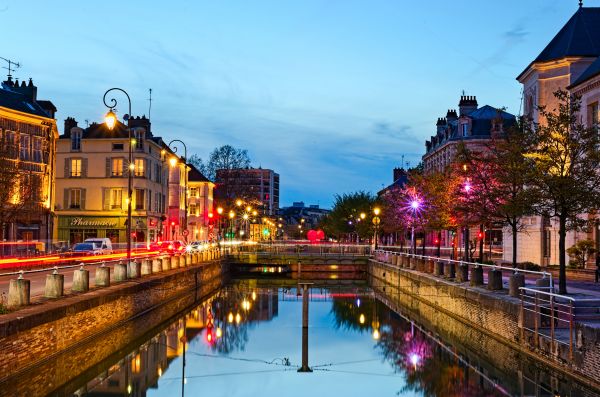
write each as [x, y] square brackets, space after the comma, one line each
[244, 339]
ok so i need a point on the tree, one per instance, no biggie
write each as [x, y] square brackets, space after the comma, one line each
[565, 169]
[580, 252]
[225, 157]
[345, 217]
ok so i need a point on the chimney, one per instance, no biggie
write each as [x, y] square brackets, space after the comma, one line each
[467, 104]
[70, 122]
[398, 173]
[138, 121]
[29, 90]
[441, 125]
[451, 115]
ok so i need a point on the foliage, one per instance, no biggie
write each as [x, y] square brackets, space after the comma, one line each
[565, 178]
[529, 266]
[580, 252]
[225, 157]
[345, 217]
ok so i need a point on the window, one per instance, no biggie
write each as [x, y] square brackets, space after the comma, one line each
[465, 129]
[117, 146]
[117, 167]
[75, 198]
[25, 147]
[593, 115]
[76, 140]
[139, 167]
[193, 210]
[75, 168]
[116, 198]
[193, 192]
[139, 199]
[11, 142]
[37, 149]
[139, 140]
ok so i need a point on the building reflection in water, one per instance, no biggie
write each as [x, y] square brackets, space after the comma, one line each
[221, 321]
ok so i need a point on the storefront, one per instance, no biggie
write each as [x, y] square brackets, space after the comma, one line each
[75, 229]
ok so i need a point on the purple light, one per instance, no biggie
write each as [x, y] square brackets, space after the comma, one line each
[414, 359]
[415, 204]
[467, 187]
[349, 222]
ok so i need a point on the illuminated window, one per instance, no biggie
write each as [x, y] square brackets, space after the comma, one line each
[75, 168]
[116, 198]
[25, 147]
[193, 192]
[193, 210]
[139, 140]
[75, 198]
[117, 166]
[139, 167]
[139, 199]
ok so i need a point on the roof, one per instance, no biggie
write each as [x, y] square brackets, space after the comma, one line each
[592, 71]
[194, 175]
[17, 101]
[579, 37]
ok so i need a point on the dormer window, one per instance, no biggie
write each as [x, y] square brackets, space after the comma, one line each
[139, 139]
[75, 140]
[465, 129]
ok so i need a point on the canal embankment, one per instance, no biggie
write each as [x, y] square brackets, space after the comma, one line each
[36, 333]
[484, 312]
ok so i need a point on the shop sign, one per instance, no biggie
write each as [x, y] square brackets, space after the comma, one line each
[93, 222]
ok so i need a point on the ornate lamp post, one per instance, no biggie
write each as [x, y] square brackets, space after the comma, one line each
[111, 120]
[376, 222]
[185, 180]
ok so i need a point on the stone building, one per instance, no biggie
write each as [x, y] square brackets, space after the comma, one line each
[474, 127]
[200, 208]
[571, 61]
[255, 185]
[178, 222]
[28, 134]
[92, 182]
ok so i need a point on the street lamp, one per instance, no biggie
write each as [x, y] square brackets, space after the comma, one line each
[185, 178]
[111, 121]
[414, 205]
[376, 222]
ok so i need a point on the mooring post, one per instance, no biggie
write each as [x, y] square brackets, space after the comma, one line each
[304, 367]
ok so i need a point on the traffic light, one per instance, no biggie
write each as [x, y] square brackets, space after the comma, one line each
[480, 235]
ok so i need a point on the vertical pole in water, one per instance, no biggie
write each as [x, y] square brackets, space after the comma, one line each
[183, 363]
[305, 367]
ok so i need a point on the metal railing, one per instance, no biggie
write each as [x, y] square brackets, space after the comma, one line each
[307, 249]
[503, 269]
[553, 317]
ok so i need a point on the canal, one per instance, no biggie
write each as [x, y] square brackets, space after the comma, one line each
[246, 339]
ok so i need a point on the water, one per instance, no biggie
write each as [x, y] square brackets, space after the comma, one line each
[246, 340]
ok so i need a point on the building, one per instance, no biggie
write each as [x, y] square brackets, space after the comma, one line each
[474, 127]
[570, 61]
[254, 185]
[92, 182]
[28, 134]
[201, 217]
[299, 219]
[178, 205]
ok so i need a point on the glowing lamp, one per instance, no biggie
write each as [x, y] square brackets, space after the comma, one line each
[376, 211]
[173, 161]
[219, 210]
[110, 119]
[414, 204]
[361, 319]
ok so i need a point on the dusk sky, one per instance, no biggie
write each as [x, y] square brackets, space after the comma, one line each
[328, 93]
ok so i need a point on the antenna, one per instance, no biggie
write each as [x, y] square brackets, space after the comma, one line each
[402, 163]
[10, 67]
[149, 103]
[87, 122]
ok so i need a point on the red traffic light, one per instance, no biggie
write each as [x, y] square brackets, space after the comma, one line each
[480, 235]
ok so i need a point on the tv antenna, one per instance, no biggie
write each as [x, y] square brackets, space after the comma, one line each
[149, 103]
[12, 65]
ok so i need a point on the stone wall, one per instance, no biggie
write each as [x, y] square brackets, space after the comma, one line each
[35, 334]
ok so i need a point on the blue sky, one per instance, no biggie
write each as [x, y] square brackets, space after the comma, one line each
[329, 93]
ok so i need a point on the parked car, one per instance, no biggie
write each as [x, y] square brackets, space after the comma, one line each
[171, 247]
[86, 249]
[104, 244]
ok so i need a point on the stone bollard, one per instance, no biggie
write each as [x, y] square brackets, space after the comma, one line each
[55, 284]
[188, 259]
[174, 262]
[412, 263]
[195, 258]
[394, 260]
[19, 292]
[165, 263]
[543, 283]
[494, 280]
[120, 272]
[439, 268]
[134, 269]
[431, 266]
[147, 265]
[156, 265]
[476, 276]
[463, 273]
[516, 281]
[81, 280]
[451, 270]
[102, 278]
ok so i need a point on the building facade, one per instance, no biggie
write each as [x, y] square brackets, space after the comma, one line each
[254, 185]
[570, 61]
[474, 127]
[178, 221]
[201, 217]
[28, 134]
[92, 182]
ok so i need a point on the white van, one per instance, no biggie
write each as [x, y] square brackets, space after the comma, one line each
[103, 244]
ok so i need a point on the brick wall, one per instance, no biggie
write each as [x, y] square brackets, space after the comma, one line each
[494, 320]
[35, 334]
